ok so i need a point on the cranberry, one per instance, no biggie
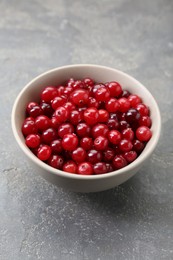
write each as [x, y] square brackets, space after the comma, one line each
[100, 168]
[92, 102]
[134, 100]
[145, 121]
[114, 136]
[61, 114]
[75, 117]
[47, 109]
[91, 115]
[114, 116]
[83, 130]
[99, 129]
[142, 109]
[79, 155]
[96, 87]
[114, 88]
[35, 111]
[109, 154]
[58, 102]
[123, 125]
[42, 122]
[113, 124]
[86, 143]
[79, 97]
[124, 104]
[30, 106]
[70, 167]
[56, 161]
[112, 105]
[125, 93]
[101, 143]
[67, 91]
[143, 133]
[78, 84]
[32, 141]
[94, 156]
[138, 146]
[103, 116]
[70, 82]
[128, 134]
[49, 135]
[88, 82]
[48, 94]
[60, 90]
[132, 115]
[85, 168]
[44, 152]
[130, 156]
[29, 127]
[125, 145]
[102, 94]
[119, 162]
[56, 146]
[69, 142]
[109, 167]
[64, 129]
[54, 122]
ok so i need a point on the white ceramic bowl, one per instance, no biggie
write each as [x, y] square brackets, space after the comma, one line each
[103, 74]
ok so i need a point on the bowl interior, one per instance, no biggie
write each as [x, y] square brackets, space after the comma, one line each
[58, 76]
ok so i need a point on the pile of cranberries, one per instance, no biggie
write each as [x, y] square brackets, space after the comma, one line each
[87, 128]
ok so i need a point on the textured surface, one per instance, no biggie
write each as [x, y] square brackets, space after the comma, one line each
[40, 221]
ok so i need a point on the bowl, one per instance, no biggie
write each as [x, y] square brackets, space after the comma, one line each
[74, 182]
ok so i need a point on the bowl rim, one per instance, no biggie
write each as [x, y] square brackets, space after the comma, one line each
[143, 156]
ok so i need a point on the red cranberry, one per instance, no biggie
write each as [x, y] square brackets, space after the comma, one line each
[114, 88]
[114, 136]
[125, 93]
[68, 91]
[56, 146]
[145, 121]
[69, 142]
[112, 105]
[75, 117]
[85, 168]
[32, 141]
[142, 109]
[99, 129]
[109, 154]
[79, 155]
[101, 143]
[130, 156]
[70, 82]
[79, 97]
[60, 90]
[102, 94]
[88, 82]
[123, 125]
[138, 146]
[61, 114]
[124, 104]
[42, 122]
[100, 168]
[86, 143]
[83, 129]
[30, 106]
[70, 167]
[54, 122]
[103, 116]
[128, 134]
[56, 161]
[92, 102]
[134, 100]
[132, 115]
[96, 87]
[91, 115]
[44, 152]
[49, 135]
[48, 94]
[109, 167]
[35, 111]
[114, 116]
[29, 127]
[58, 102]
[64, 129]
[125, 145]
[78, 84]
[47, 109]
[94, 156]
[143, 133]
[113, 124]
[119, 162]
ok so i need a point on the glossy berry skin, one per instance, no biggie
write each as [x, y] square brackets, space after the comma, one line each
[91, 116]
[42, 122]
[29, 127]
[114, 88]
[103, 116]
[32, 141]
[99, 129]
[35, 111]
[61, 114]
[99, 168]
[124, 104]
[119, 162]
[88, 82]
[143, 133]
[82, 130]
[123, 125]
[108, 154]
[44, 152]
[48, 135]
[70, 167]
[109, 167]
[138, 146]
[75, 117]
[56, 161]
[102, 94]
[113, 124]
[30, 106]
[112, 105]
[114, 136]
[94, 156]
[79, 97]
[58, 102]
[128, 134]
[101, 143]
[48, 94]
[86, 143]
[70, 142]
[47, 109]
[54, 123]
[125, 145]
[134, 100]
[64, 129]
[125, 93]
[67, 91]
[69, 106]
[78, 84]
[142, 109]
[132, 115]
[85, 168]
[79, 155]
[130, 156]
[145, 121]
[96, 87]
[92, 102]
[56, 146]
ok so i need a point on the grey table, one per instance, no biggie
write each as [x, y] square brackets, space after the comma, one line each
[132, 221]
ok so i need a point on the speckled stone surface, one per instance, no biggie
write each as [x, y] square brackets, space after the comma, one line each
[132, 221]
